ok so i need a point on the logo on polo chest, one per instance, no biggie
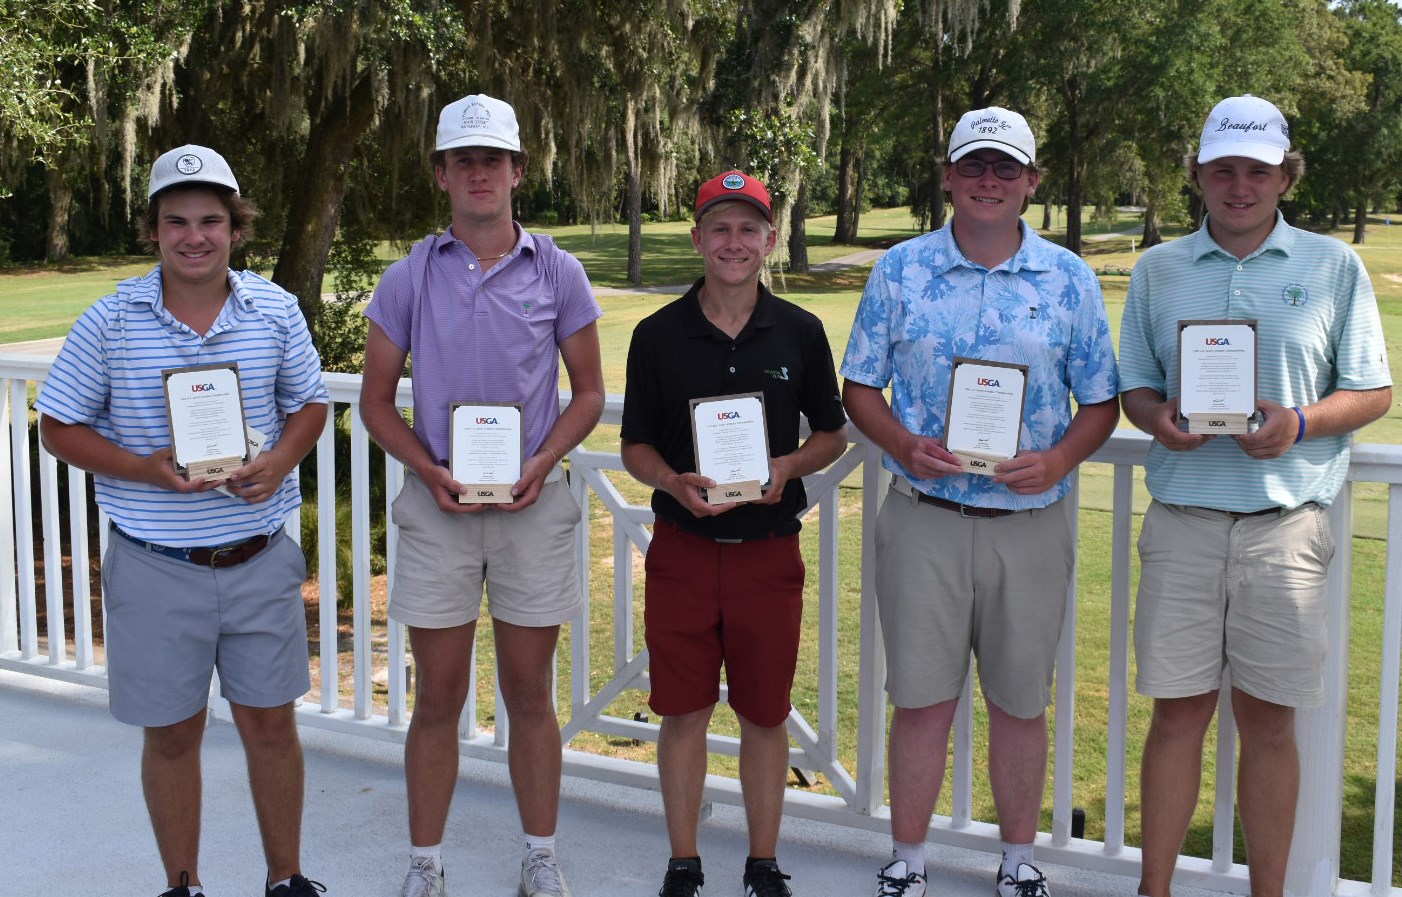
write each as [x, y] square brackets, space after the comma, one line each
[1295, 294]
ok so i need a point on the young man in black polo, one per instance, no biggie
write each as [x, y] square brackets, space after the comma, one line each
[725, 582]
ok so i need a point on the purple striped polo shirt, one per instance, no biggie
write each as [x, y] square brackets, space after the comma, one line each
[483, 337]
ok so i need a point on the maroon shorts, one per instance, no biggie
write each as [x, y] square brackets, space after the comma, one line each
[711, 603]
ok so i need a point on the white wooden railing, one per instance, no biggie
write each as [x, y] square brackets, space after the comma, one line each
[859, 785]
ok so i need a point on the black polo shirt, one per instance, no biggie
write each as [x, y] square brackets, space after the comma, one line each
[677, 355]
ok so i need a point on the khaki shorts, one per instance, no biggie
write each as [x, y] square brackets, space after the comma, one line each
[1246, 592]
[947, 585]
[525, 559]
[171, 623]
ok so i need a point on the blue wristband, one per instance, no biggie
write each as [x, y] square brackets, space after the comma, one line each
[1301, 415]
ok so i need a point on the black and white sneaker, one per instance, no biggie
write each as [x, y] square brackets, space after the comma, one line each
[297, 887]
[180, 890]
[896, 880]
[684, 878]
[763, 879]
[1029, 882]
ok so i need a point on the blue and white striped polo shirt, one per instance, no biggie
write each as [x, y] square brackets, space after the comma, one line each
[1318, 332]
[108, 376]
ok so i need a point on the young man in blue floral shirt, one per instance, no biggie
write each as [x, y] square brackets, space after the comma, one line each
[968, 561]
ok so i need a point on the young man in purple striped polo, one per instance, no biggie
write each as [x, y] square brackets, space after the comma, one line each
[486, 310]
[193, 578]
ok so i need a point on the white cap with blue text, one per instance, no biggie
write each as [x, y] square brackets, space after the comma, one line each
[993, 128]
[190, 164]
[1245, 126]
[478, 120]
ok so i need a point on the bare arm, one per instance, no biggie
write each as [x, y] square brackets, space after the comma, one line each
[384, 365]
[921, 455]
[1342, 411]
[1148, 410]
[580, 352]
[647, 466]
[82, 446]
[260, 479]
[1032, 472]
[821, 448]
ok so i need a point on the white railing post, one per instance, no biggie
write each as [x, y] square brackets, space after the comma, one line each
[1064, 760]
[360, 558]
[329, 641]
[870, 796]
[9, 508]
[1314, 853]
[82, 588]
[1384, 809]
[24, 519]
[1117, 747]
[51, 542]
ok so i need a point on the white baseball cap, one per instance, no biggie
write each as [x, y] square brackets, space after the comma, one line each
[993, 128]
[190, 164]
[1245, 126]
[478, 120]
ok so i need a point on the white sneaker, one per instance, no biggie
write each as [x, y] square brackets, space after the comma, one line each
[896, 880]
[541, 876]
[425, 879]
[1030, 882]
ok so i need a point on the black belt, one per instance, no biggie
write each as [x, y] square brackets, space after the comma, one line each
[962, 510]
[1237, 515]
[760, 537]
[217, 556]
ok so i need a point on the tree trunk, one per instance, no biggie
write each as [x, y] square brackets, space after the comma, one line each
[860, 196]
[56, 246]
[320, 188]
[1360, 224]
[634, 197]
[798, 231]
[847, 202]
[1046, 214]
[1153, 236]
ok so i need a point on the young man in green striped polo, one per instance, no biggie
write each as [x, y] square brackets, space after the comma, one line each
[1235, 548]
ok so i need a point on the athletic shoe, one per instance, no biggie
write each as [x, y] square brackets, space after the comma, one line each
[1030, 882]
[297, 887]
[541, 876]
[425, 879]
[684, 879]
[896, 880]
[763, 879]
[180, 890]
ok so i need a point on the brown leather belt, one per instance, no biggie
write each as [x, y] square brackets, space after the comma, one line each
[217, 556]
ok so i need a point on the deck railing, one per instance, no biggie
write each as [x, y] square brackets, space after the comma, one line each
[859, 785]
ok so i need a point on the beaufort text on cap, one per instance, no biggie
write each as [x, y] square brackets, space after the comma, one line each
[1245, 126]
[190, 164]
[733, 185]
[478, 120]
[993, 128]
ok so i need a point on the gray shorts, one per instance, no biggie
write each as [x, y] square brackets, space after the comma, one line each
[947, 585]
[170, 623]
[1248, 592]
[525, 559]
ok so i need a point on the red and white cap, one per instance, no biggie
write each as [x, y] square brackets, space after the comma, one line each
[731, 186]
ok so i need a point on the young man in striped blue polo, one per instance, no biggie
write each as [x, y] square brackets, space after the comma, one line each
[1235, 547]
[194, 578]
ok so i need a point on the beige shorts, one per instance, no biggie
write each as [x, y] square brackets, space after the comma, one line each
[947, 585]
[1246, 592]
[526, 560]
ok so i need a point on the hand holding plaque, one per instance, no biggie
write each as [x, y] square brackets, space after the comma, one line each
[732, 446]
[984, 420]
[204, 407]
[1217, 375]
[487, 442]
